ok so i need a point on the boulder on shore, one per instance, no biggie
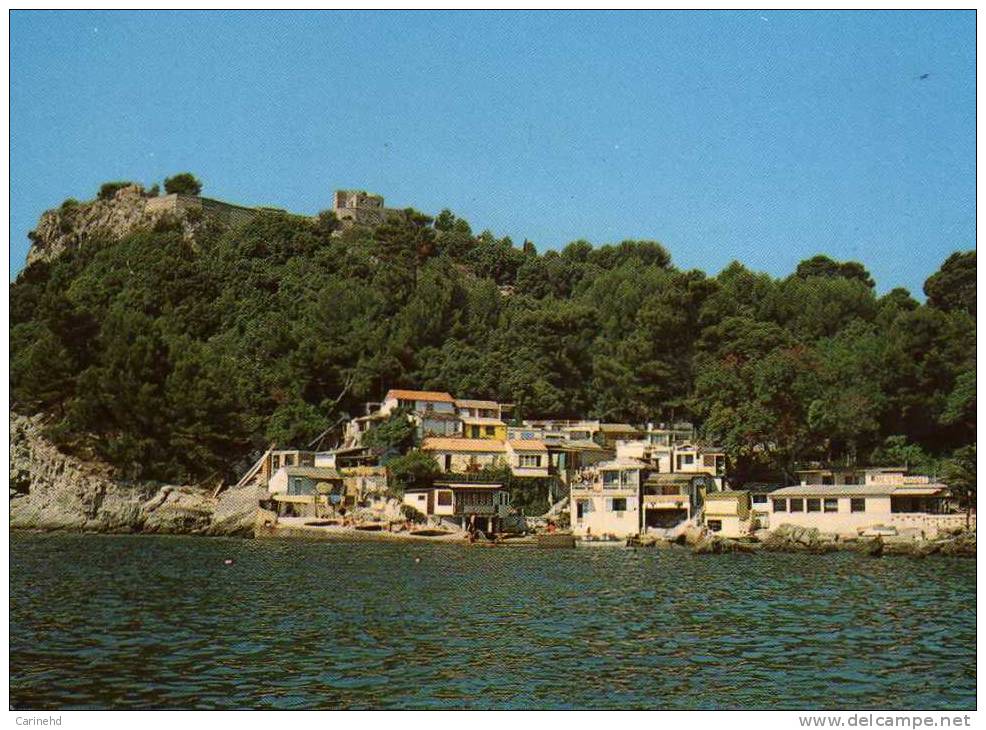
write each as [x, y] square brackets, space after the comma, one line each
[787, 538]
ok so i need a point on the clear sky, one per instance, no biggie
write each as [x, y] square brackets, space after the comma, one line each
[766, 137]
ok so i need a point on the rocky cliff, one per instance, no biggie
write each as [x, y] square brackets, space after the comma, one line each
[128, 210]
[50, 490]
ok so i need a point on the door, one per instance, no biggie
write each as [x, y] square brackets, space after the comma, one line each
[448, 462]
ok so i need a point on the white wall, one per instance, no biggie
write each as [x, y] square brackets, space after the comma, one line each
[732, 525]
[600, 518]
[842, 522]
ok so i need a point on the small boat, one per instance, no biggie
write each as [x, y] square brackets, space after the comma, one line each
[429, 533]
[370, 527]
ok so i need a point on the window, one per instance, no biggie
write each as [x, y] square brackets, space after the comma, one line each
[530, 461]
[422, 497]
[611, 479]
[275, 462]
[831, 504]
[814, 505]
[715, 525]
[797, 505]
[850, 479]
[619, 504]
[759, 499]
[444, 499]
[490, 431]
[780, 505]
[289, 460]
[827, 480]
[857, 504]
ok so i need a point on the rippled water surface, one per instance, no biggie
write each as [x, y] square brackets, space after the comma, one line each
[134, 622]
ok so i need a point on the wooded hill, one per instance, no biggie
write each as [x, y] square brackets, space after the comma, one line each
[175, 359]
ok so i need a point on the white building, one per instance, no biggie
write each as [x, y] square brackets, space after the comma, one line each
[465, 455]
[728, 513]
[471, 505]
[528, 458]
[684, 457]
[607, 500]
[849, 501]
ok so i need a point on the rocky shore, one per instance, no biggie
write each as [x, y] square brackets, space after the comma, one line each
[50, 490]
[788, 538]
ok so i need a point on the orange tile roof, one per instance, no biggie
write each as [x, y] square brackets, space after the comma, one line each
[439, 443]
[527, 445]
[431, 395]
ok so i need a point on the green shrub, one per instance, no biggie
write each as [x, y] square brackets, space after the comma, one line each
[184, 183]
[413, 514]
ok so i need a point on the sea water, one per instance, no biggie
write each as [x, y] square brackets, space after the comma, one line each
[179, 622]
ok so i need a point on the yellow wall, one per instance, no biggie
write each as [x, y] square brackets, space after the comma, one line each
[499, 432]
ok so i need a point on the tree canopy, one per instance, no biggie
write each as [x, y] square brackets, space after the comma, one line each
[178, 359]
[184, 183]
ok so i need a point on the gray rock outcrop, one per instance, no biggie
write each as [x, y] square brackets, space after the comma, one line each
[51, 490]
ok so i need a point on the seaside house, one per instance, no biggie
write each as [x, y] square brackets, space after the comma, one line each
[272, 460]
[610, 433]
[464, 455]
[470, 505]
[848, 501]
[760, 503]
[468, 408]
[709, 461]
[669, 500]
[481, 427]
[567, 458]
[302, 490]
[658, 443]
[606, 500]
[728, 513]
[580, 430]
[528, 458]
[347, 456]
[553, 431]
[433, 412]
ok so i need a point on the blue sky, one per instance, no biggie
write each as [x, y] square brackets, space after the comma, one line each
[766, 137]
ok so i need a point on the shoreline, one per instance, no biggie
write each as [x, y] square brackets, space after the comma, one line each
[961, 546]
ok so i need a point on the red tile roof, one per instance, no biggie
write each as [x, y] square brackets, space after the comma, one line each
[431, 395]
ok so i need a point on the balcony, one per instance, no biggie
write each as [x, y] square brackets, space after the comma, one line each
[666, 501]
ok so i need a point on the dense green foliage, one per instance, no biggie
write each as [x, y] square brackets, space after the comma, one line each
[396, 433]
[176, 360]
[184, 183]
[413, 469]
